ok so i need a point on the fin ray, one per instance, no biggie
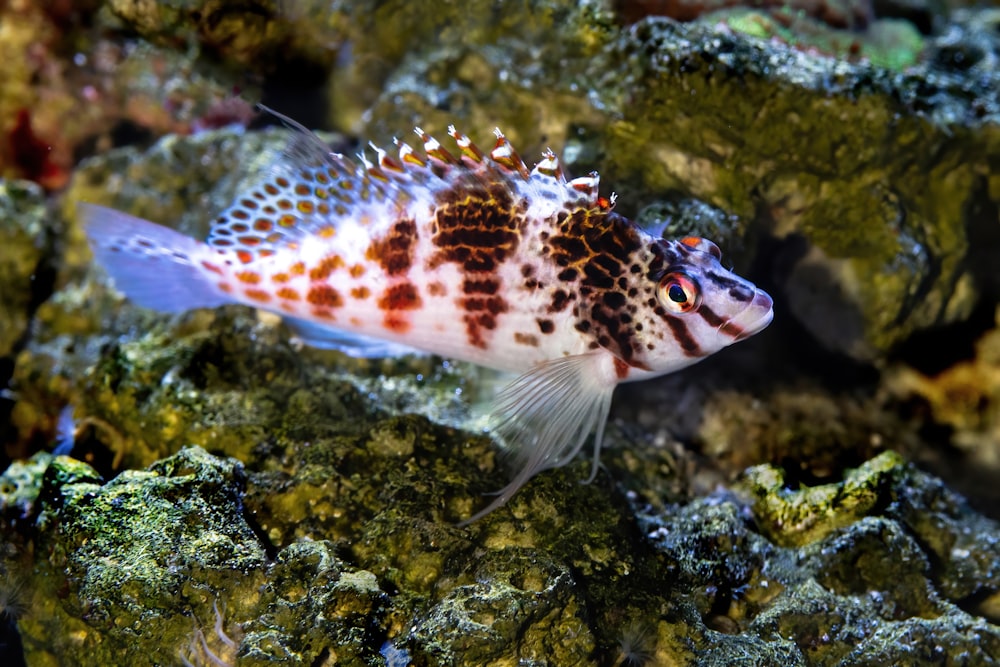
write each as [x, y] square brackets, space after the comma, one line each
[546, 415]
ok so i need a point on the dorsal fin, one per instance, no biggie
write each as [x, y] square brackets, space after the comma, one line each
[309, 191]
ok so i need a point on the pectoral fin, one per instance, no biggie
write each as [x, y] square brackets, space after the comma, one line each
[545, 415]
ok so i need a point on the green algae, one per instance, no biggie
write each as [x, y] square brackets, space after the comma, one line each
[796, 518]
[26, 233]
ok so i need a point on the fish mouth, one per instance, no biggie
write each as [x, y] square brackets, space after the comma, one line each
[752, 319]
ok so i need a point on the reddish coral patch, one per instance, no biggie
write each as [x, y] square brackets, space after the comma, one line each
[324, 295]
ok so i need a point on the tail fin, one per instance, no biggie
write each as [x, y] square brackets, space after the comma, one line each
[156, 267]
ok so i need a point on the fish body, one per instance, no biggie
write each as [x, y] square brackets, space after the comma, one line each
[467, 255]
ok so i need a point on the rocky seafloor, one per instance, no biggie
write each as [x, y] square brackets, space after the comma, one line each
[201, 489]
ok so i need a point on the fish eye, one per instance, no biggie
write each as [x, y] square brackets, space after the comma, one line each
[679, 293]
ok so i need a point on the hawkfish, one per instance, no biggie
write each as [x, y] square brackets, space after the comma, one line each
[459, 253]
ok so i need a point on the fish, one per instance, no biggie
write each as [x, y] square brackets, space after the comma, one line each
[460, 253]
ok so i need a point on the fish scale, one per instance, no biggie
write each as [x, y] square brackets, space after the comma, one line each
[466, 254]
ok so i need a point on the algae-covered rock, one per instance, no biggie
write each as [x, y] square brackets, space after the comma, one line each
[27, 235]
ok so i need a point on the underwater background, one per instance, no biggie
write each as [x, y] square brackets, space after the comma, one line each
[199, 489]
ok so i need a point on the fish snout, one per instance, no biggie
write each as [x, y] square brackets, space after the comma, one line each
[752, 319]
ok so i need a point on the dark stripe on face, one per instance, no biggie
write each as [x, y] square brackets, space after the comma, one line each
[683, 337]
[737, 289]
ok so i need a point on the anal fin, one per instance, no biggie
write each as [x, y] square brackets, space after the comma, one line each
[353, 345]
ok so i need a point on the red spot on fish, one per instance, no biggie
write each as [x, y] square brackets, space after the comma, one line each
[257, 295]
[324, 295]
[357, 270]
[323, 313]
[211, 267]
[297, 269]
[249, 277]
[288, 293]
[621, 369]
[360, 293]
[437, 288]
[225, 287]
[280, 278]
[244, 256]
[396, 323]
[403, 296]
[326, 266]
[327, 231]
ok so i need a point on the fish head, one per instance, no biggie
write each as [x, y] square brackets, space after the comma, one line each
[693, 306]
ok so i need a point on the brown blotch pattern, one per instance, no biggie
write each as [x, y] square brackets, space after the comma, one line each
[594, 250]
[257, 295]
[326, 266]
[476, 226]
[530, 340]
[394, 251]
[403, 296]
[482, 304]
[437, 288]
[324, 295]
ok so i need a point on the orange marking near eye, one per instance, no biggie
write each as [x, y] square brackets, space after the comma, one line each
[288, 293]
[691, 241]
[257, 295]
[249, 277]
